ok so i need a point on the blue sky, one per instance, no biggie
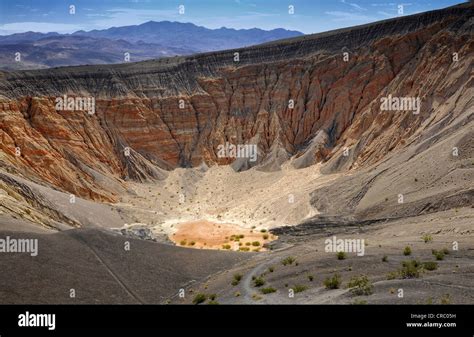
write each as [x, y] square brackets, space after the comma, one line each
[310, 16]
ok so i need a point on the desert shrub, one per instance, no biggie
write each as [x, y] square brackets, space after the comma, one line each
[212, 297]
[256, 243]
[235, 237]
[360, 285]
[438, 254]
[236, 279]
[393, 275]
[333, 282]
[258, 281]
[298, 288]
[226, 246]
[199, 298]
[410, 269]
[385, 258]
[263, 230]
[265, 236]
[427, 238]
[182, 242]
[310, 278]
[429, 301]
[244, 249]
[430, 265]
[288, 260]
[407, 251]
[445, 251]
[268, 290]
[341, 255]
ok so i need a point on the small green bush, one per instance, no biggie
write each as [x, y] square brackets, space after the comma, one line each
[288, 260]
[212, 297]
[298, 288]
[333, 282]
[360, 285]
[258, 282]
[438, 254]
[410, 269]
[341, 255]
[236, 280]
[393, 275]
[430, 265]
[427, 238]
[407, 251]
[268, 290]
[199, 298]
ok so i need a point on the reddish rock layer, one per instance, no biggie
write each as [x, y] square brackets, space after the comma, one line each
[177, 113]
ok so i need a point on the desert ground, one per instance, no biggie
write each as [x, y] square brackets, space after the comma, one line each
[385, 243]
[250, 201]
[219, 207]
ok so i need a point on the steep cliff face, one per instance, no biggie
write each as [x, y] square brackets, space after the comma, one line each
[301, 98]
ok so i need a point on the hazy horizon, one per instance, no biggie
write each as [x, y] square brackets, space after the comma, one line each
[307, 16]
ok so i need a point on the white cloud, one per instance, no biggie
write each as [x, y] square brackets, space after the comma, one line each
[350, 18]
[386, 14]
[354, 5]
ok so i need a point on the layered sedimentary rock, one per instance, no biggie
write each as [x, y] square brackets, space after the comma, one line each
[307, 99]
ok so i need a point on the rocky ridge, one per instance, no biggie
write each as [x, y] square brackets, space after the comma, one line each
[175, 112]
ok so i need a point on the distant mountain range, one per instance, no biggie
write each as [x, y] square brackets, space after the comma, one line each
[146, 41]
